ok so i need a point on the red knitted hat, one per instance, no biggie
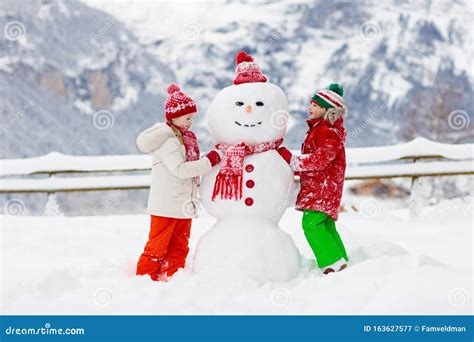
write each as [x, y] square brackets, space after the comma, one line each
[246, 70]
[178, 103]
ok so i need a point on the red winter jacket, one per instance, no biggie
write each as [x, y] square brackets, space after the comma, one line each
[322, 166]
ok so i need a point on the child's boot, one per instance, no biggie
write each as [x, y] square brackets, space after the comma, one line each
[336, 267]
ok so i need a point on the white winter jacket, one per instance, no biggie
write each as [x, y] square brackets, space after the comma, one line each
[173, 190]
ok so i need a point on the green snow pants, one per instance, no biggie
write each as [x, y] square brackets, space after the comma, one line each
[320, 231]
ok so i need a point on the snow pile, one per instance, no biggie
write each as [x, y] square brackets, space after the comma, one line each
[85, 265]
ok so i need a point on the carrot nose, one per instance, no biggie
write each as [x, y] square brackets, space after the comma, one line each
[248, 108]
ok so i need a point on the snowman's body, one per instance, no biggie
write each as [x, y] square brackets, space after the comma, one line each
[267, 187]
[246, 240]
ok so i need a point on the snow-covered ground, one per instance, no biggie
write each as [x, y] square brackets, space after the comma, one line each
[85, 265]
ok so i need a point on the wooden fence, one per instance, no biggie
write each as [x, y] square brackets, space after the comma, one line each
[417, 158]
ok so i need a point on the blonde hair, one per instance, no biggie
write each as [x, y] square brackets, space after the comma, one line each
[178, 134]
[332, 114]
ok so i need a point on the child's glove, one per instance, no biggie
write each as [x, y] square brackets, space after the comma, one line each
[214, 157]
[285, 154]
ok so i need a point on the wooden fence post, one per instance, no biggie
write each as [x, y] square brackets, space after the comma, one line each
[52, 207]
[415, 203]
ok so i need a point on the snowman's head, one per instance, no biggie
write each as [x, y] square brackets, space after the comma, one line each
[248, 112]
[251, 111]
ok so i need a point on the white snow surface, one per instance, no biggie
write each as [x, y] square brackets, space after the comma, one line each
[86, 265]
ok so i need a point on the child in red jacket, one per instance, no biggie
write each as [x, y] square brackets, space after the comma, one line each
[321, 167]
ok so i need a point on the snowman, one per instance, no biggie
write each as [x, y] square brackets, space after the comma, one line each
[250, 189]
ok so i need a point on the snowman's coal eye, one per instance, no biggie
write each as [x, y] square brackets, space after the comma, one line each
[259, 103]
[239, 103]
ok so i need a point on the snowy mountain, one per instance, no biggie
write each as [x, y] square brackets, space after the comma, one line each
[84, 80]
[73, 79]
[406, 66]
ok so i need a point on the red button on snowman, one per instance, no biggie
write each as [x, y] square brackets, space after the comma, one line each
[250, 189]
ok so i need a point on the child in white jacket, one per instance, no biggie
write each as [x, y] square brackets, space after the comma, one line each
[174, 179]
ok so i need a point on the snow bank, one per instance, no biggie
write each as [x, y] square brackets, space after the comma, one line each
[85, 265]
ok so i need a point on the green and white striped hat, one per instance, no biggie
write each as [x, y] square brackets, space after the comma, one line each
[330, 97]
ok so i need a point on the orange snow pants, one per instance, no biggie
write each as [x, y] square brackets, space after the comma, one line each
[166, 249]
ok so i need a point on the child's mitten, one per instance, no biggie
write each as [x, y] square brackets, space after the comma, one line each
[214, 157]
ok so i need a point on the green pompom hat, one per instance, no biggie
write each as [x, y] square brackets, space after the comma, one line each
[330, 97]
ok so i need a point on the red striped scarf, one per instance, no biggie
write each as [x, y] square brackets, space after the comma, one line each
[229, 179]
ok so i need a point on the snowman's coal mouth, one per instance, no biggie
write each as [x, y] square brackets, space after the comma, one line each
[252, 125]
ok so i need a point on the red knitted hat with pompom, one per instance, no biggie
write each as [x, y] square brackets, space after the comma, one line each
[246, 70]
[178, 103]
